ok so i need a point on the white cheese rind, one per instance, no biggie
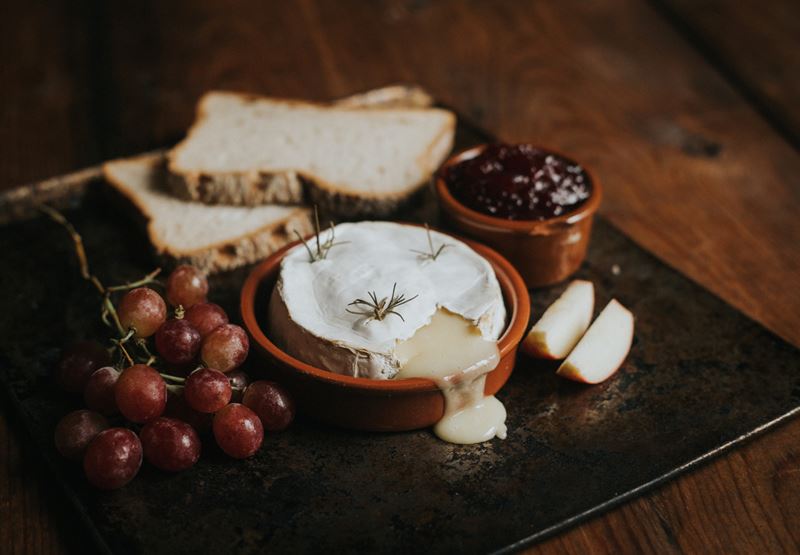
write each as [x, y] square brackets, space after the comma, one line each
[307, 313]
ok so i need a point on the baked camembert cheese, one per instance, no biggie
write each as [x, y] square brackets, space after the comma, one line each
[382, 300]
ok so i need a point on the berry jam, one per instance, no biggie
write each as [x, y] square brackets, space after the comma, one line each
[519, 182]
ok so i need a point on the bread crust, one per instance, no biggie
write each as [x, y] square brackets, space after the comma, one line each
[296, 186]
[247, 249]
[223, 255]
[237, 188]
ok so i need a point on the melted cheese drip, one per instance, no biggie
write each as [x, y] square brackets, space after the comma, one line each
[451, 352]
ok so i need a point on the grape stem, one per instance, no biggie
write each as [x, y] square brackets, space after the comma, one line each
[127, 336]
[146, 280]
[142, 344]
[108, 308]
[121, 344]
[173, 378]
[59, 218]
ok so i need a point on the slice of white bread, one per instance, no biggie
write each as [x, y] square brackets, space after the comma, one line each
[353, 161]
[213, 238]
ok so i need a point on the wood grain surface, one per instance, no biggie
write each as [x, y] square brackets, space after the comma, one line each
[755, 44]
[693, 171]
[46, 127]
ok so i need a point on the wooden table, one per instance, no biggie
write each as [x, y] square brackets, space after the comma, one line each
[687, 109]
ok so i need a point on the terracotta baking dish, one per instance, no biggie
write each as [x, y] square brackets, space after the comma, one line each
[544, 252]
[362, 403]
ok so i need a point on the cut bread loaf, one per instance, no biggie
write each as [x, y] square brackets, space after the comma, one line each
[352, 161]
[213, 238]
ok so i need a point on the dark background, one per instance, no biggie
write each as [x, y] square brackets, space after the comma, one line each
[688, 110]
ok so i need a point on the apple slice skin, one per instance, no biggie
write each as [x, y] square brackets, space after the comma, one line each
[571, 372]
[535, 343]
[536, 346]
[568, 368]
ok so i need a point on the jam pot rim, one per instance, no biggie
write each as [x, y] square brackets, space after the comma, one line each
[449, 201]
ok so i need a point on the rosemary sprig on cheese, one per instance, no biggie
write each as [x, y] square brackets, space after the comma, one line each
[322, 248]
[432, 253]
[379, 309]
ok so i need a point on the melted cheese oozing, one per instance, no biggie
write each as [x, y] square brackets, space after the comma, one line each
[451, 352]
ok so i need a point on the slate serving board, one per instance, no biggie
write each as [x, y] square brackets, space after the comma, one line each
[700, 378]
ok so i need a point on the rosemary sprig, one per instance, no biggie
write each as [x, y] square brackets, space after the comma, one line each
[380, 309]
[432, 253]
[322, 248]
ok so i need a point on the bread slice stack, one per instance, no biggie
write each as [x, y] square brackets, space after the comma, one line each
[213, 238]
[350, 161]
[243, 180]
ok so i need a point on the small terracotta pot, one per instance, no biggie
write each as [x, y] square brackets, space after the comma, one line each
[544, 252]
[363, 403]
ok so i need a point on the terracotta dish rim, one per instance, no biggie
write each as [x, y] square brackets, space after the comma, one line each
[515, 296]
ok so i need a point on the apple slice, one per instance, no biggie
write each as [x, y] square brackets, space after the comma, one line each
[602, 350]
[563, 323]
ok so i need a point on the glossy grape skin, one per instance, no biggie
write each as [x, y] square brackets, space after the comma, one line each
[207, 390]
[186, 286]
[141, 393]
[170, 444]
[78, 361]
[239, 381]
[178, 408]
[238, 431]
[113, 458]
[142, 309]
[99, 391]
[206, 317]
[177, 341]
[272, 403]
[76, 430]
[225, 348]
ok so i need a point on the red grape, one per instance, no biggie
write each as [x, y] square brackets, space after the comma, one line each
[239, 381]
[225, 348]
[238, 431]
[99, 390]
[206, 317]
[76, 430]
[113, 458]
[142, 309]
[207, 390]
[170, 444]
[272, 403]
[186, 286]
[178, 408]
[77, 363]
[177, 341]
[141, 393]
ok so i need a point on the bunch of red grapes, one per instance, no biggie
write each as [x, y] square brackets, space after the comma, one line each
[214, 397]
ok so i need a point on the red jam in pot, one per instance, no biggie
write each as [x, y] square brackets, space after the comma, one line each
[519, 182]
